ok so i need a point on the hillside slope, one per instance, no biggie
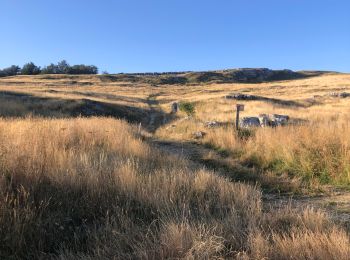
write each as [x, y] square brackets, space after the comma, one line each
[76, 184]
[246, 75]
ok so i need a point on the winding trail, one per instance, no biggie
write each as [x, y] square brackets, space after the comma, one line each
[156, 115]
[336, 204]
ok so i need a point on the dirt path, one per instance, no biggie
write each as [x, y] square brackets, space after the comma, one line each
[337, 205]
[156, 117]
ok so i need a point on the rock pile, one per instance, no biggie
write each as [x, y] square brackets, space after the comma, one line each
[264, 120]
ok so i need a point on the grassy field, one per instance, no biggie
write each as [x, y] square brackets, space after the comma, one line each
[311, 152]
[79, 188]
[77, 183]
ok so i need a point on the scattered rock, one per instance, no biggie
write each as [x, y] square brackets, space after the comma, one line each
[247, 122]
[211, 124]
[199, 134]
[171, 126]
[280, 119]
[240, 96]
[264, 120]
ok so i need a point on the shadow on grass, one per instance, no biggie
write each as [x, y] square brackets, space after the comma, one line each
[15, 104]
[226, 164]
[53, 215]
[275, 101]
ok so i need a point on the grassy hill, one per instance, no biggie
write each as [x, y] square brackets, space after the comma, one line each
[221, 76]
[81, 178]
[308, 99]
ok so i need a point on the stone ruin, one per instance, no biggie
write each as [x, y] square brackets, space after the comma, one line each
[264, 120]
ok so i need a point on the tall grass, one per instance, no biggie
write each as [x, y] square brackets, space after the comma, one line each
[317, 153]
[311, 155]
[90, 188]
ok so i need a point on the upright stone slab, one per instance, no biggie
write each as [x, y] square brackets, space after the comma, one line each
[174, 107]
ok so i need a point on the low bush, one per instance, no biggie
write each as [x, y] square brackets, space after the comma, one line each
[188, 107]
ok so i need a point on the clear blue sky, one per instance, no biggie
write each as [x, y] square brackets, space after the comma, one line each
[176, 35]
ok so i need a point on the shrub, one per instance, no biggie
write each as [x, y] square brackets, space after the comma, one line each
[188, 108]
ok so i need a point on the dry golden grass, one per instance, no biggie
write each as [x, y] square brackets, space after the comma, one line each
[136, 94]
[90, 188]
[314, 153]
